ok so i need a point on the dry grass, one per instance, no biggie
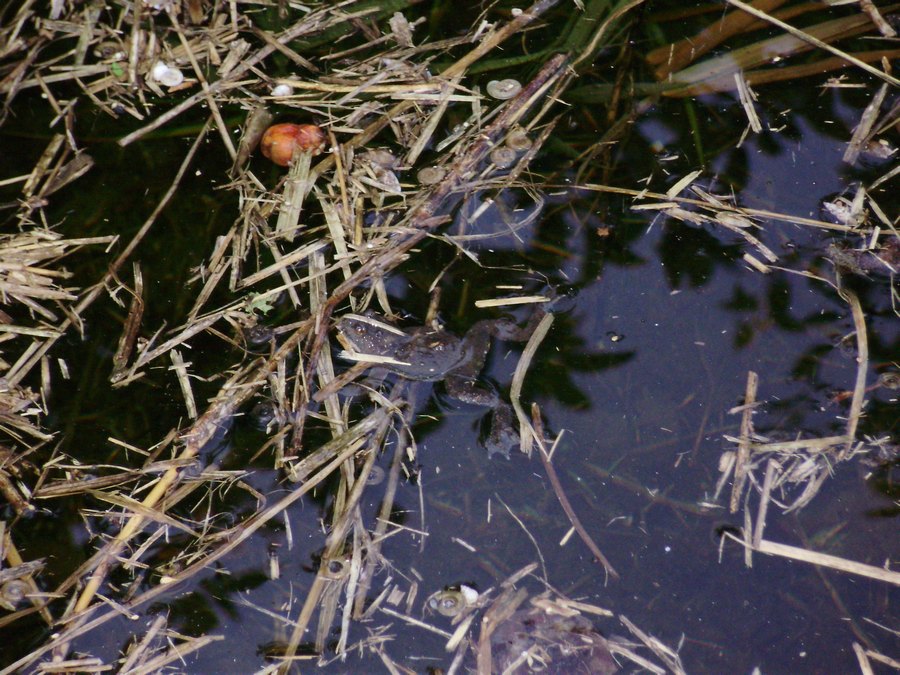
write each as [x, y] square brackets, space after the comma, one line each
[359, 92]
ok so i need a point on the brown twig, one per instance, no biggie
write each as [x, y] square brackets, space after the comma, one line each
[862, 367]
[561, 495]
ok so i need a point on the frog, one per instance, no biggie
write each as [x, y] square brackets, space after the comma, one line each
[432, 354]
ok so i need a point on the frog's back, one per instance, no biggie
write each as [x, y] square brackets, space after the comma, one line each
[424, 353]
[428, 355]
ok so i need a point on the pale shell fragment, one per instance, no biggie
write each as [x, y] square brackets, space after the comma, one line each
[381, 158]
[503, 157]
[431, 175]
[166, 75]
[503, 89]
[518, 140]
[388, 181]
[469, 593]
[159, 70]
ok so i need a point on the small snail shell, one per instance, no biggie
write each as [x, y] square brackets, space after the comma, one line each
[166, 75]
[336, 568]
[503, 157]
[448, 603]
[503, 89]
[431, 175]
[281, 140]
[110, 50]
[381, 158]
[518, 140]
[282, 90]
[453, 601]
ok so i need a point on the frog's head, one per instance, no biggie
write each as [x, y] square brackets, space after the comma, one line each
[363, 334]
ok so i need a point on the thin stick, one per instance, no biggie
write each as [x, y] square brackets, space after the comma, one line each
[526, 432]
[806, 37]
[561, 495]
[764, 499]
[825, 560]
[603, 27]
[862, 366]
[742, 463]
[673, 57]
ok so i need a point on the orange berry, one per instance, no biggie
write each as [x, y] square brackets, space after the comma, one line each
[281, 140]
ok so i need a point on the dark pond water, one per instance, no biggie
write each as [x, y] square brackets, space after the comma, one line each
[651, 348]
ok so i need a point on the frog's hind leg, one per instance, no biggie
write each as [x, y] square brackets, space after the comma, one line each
[503, 436]
[467, 389]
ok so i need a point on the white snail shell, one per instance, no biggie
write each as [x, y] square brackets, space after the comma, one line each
[167, 75]
[282, 90]
[503, 89]
[470, 594]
